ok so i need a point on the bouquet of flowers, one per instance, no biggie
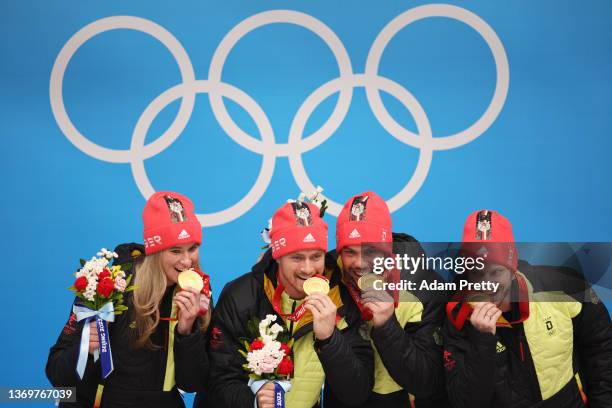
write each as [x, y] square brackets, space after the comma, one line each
[100, 290]
[268, 356]
[97, 284]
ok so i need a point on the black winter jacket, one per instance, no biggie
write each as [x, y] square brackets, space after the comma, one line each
[409, 352]
[558, 357]
[346, 357]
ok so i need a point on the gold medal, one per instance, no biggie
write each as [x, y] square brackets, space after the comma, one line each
[367, 281]
[478, 298]
[190, 279]
[316, 284]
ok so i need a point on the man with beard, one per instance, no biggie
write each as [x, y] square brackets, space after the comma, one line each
[403, 327]
[329, 355]
[534, 342]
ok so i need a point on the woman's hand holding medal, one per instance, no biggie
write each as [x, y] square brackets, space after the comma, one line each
[189, 300]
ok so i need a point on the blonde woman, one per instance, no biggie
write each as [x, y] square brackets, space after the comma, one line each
[159, 344]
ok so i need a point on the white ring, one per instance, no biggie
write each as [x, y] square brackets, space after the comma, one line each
[70, 48]
[260, 20]
[501, 66]
[183, 91]
[405, 97]
[297, 142]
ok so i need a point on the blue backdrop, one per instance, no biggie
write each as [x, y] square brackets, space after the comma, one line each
[442, 109]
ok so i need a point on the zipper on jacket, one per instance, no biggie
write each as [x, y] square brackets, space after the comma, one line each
[528, 365]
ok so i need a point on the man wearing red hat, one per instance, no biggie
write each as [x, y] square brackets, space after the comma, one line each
[403, 327]
[328, 353]
[529, 344]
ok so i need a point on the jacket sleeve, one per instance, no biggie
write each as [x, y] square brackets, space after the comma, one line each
[593, 334]
[410, 353]
[228, 385]
[469, 361]
[191, 358]
[348, 363]
[63, 357]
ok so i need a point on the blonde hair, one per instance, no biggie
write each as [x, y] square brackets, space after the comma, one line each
[151, 283]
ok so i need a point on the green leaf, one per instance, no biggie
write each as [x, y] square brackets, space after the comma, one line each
[82, 262]
[244, 353]
[72, 288]
[131, 288]
[253, 328]
[128, 280]
[126, 266]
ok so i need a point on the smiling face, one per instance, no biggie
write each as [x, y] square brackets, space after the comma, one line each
[177, 259]
[296, 267]
[357, 260]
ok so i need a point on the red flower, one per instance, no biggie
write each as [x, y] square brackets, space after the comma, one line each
[285, 367]
[80, 284]
[286, 349]
[106, 287]
[257, 345]
[104, 274]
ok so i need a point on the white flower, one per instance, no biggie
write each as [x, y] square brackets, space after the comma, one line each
[115, 255]
[265, 360]
[265, 235]
[291, 201]
[120, 284]
[302, 196]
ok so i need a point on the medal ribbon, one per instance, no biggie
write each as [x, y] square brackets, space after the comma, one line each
[276, 304]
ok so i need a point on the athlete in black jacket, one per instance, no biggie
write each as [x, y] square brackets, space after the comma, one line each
[145, 375]
[405, 331]
[538, 341]
[340, 358]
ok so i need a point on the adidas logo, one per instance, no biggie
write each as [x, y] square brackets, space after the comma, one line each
[183, 235]
[309, 238]
[355, 234]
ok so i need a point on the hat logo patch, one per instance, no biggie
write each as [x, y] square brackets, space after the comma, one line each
[177, 211]
[184, 235]
[302, 214]
[358, 208]
[355, 234]
[483, 226]
[309, 238]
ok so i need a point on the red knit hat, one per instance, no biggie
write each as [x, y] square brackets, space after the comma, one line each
[297, 226]
[488, 234]
[169, 219]
[365, 218]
